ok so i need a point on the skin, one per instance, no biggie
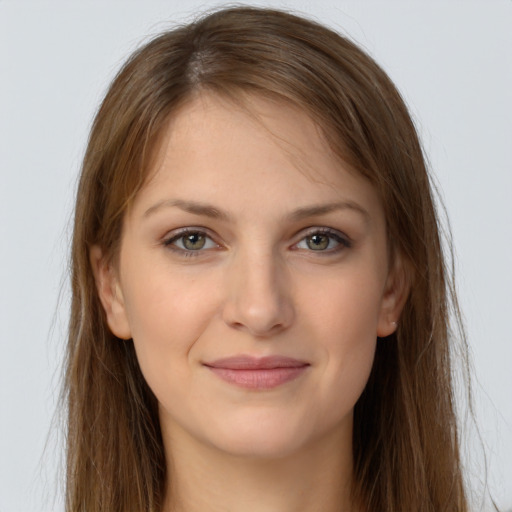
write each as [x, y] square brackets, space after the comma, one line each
[257, 287]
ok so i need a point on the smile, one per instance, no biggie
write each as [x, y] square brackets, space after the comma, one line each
[258, 373]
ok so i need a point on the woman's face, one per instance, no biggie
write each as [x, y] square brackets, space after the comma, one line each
[253, 278]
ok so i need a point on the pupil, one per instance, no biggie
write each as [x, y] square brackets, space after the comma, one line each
[318, 242]
[194, 241]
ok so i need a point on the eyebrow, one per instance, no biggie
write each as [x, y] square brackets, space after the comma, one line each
[207, 210]
[323, 209]
[194, 207]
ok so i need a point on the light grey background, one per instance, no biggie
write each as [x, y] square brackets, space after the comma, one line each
[451, 60]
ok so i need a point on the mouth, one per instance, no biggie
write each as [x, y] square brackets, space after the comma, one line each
[257, 373]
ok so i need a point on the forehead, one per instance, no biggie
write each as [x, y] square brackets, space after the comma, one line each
[254, 147]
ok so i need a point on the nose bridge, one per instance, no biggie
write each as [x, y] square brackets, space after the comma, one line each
[259, 296]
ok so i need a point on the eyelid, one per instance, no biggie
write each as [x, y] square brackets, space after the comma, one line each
[343, 240]
[169, 239]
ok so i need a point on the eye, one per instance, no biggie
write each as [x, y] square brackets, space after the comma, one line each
[324, 240]
[190, 241]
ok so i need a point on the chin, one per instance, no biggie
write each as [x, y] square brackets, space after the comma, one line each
[262, 437]
[260, 445]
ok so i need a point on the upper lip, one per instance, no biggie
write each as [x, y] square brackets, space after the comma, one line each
[244, 362]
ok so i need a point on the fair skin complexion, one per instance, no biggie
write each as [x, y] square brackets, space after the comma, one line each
[252, 240]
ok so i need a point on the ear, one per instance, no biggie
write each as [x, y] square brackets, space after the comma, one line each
[110, 293]
[396, 291]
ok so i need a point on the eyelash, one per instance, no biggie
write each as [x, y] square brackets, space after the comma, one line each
[180, 235]
[343, 242]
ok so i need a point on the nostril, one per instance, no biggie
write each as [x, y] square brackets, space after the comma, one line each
[258, 321]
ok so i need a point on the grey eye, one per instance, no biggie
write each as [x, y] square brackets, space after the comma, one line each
[193, 241]
[323, 242]
[318, 242]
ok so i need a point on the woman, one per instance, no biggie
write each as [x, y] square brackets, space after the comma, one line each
[260, 303]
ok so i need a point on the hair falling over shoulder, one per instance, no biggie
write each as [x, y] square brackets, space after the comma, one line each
[406, 454]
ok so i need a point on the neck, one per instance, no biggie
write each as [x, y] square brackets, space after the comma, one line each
[201, 478]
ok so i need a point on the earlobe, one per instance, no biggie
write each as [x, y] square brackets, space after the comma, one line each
[395, 295]
[110, 293]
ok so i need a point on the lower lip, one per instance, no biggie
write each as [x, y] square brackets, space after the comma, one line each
[259, 379]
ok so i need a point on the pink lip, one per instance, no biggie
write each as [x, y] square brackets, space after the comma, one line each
[257, 373]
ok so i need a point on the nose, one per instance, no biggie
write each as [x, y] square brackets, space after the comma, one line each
[258, 295]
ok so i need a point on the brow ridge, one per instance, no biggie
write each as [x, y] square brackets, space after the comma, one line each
[207, 210]
[194, 207]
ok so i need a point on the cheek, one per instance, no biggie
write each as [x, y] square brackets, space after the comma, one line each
[164, 302]
[168, 312]
[345, 306]
[344, 325]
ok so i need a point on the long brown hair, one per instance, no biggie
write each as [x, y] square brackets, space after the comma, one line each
[405, 443]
